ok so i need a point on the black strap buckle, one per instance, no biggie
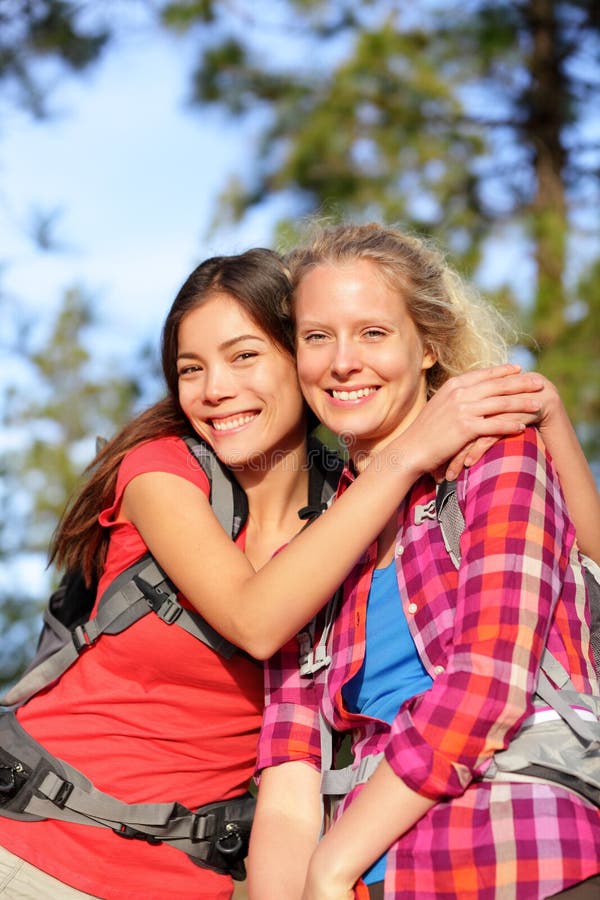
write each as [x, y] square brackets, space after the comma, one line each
[62, 795]
[310, 513]
[132, 834]
[165, 605]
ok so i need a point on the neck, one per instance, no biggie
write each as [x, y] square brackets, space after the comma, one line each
[275, 494]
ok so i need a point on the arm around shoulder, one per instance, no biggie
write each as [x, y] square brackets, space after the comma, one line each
[576, 477]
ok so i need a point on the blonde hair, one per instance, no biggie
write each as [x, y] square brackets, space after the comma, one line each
[463, 331]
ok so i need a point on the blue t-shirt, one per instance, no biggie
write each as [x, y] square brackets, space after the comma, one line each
[392, 670]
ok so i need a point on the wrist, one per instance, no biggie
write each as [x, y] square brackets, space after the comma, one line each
[552, 409]
[400, 460]
[331, 868]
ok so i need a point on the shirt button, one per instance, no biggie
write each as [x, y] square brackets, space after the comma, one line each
[439, 670]
[399, 550]
[412, 608]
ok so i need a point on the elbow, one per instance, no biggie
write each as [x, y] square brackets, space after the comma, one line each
[259, 647]
[258, 643]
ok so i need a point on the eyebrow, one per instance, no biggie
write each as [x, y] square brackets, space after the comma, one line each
[242, 337]
[226, 344]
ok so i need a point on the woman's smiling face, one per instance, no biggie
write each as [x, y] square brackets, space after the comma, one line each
[237, 387]
[361, 362]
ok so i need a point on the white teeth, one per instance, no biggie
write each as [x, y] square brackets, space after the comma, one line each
[227, 425]
[353, 395]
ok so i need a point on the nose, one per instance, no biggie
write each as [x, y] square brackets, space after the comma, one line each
[218, 384]
[346, 359]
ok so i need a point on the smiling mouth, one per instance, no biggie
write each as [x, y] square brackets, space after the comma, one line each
[233, 422]
[352, 395]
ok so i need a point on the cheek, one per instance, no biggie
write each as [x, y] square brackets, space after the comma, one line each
[309, 368]
[183, 393]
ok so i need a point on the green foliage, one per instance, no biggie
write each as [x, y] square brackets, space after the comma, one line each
[182, 15]
[53, 409]
[38, 32]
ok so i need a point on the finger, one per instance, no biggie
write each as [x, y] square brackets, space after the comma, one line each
[478, 376]
[457, 464]
[478, 448]
[526, 386]
[518, 383]
[502, 405]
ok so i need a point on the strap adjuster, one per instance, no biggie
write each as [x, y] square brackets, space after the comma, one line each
[165, 605]
[132, 834]
[203, 827]
[59, 792]
[81, 638]
[425, 511]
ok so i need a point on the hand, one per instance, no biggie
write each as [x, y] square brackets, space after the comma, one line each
[468, 415]
[546, 408]
[551, 408]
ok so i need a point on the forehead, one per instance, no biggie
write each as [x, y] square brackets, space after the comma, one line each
[356, 286]
[219, 314]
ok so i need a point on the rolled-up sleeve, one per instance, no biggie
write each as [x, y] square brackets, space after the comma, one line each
[290, 729]
[515, 555]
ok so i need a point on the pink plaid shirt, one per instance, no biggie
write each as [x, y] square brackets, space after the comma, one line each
[480, 633]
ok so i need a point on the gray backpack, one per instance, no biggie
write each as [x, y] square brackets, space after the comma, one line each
[36, 785]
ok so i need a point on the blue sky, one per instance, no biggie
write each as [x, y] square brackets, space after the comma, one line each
[135, 175]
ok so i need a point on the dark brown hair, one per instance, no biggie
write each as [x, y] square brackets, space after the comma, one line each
[258, 281]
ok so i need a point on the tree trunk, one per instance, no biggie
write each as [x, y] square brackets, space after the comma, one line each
[547, 113]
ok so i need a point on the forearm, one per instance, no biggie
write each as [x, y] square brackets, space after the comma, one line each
[383, 811]
[308, 571]
[260, 611]
[284, 833]
[576, 477]
[313, 565]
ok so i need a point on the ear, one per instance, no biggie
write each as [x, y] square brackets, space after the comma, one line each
[429, 358]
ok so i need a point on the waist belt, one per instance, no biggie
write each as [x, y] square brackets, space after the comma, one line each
[35, 785]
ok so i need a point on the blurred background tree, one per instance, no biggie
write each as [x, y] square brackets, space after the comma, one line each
[472, 122]
[49, 432]
[55, 396]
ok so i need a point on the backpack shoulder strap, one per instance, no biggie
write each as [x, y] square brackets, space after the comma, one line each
[450, 518]
[227, 499]
[325, 469]
[591, 572]
[141, 588]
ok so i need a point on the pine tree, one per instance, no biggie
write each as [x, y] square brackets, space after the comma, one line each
[472, 123]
